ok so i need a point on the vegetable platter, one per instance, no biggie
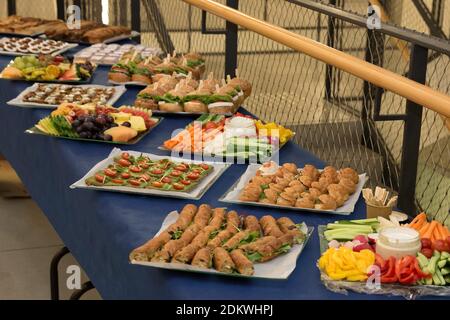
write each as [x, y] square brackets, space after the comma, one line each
[149, 174]
[216, 241]
[354, 257]
[236, 137]
[302, 189]
[100, 123]
[48, 68]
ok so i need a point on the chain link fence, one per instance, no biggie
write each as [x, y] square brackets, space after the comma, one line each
[331, 111]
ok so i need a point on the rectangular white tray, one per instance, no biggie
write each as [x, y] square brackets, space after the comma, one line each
[279, 268]
[18, 101]
[232, 195]
[195, 194]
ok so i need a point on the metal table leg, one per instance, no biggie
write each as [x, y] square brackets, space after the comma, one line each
[85, 287]
[54, 283]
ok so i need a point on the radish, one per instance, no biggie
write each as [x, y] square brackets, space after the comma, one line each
[373, 237]
[334, 244]
[363, 246]
[361, 238]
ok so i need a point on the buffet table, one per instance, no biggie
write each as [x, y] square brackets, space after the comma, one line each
[101, 228]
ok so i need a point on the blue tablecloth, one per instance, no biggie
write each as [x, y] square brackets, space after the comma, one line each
[100, 228]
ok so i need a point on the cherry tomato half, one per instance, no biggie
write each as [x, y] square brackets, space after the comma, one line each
[125, 175]
[176, 173]
[181, 168]
[144, 165]
[145, 177]
[111, 172]
[125, 155]
[124, 162]
[157, 171]
[204, 166]
[193, 176]
[178, 186]
[134, 182]
[185, 182]
[118, 181]
[157, 184]
[166, 180]
[135, 169]
[100, 178]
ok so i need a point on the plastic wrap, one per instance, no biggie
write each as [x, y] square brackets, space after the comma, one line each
[370, 287]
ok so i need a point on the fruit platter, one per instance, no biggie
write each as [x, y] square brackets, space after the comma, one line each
[134, 68]
[219, 241]
[288, 186]
[386, 256]
[236, 137]
[23, 46]
[48, 68]
[170, 94]
[91, 122]
[149, 174]
[109, 54]
[51, 95]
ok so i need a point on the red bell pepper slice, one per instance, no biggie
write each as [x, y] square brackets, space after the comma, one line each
[409, 279]
[419, 271]
[379, 261]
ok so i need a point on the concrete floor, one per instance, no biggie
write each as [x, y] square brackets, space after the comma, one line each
[27, 244]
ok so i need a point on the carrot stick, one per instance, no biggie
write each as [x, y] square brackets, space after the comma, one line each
[436, 235]
[441, 232]
[424, 229]
[420, 217]
[430, 230]
[446, 231]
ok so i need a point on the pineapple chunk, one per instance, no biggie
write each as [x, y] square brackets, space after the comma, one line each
[137, 123]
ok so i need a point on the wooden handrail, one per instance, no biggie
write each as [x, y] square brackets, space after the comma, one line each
[411, 90]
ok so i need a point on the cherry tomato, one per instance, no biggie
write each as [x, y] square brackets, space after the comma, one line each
[157, 184]
[198, 171]
[440, 245]
[204, 166]
[178, 186]
[124, 163]
[166, 180]
[176, 173]
[157, 171]
[135, 169]
[426, 243]
[185, 182]
[100, 178]
[210, 125]
[146, 177]
[118, 181]
[427, 252]
[144, 165]
[193, 176]
[181, 167]
[110, 172]
[125, 175]
[134, 182]
[125, 155]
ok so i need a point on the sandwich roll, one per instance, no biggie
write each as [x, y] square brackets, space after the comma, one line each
[203, 258]
[223, 261]
[243, 264]
[270, 227]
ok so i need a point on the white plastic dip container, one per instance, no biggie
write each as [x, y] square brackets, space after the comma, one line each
[398, 242]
